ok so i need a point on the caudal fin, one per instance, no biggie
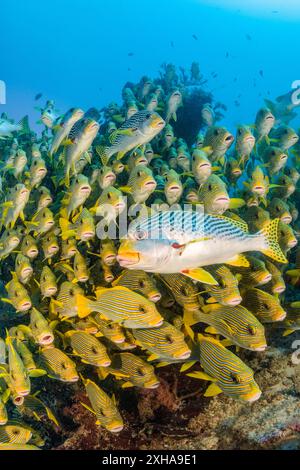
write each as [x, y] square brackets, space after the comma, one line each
[24, 123]
[273, 250]
[83, 306]
[101, 150]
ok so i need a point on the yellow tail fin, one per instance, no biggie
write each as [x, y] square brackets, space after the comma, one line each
[83, 306]
[273, 250]
[102, 154]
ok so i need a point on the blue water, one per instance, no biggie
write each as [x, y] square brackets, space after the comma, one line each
[76, 51]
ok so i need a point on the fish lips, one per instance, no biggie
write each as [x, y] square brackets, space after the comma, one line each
[155, 297]
[251, 397]
[260, 190]
[279, 289]
[182, 356]
[24, 306]
[286, 219]
[128, 261]
[46, 339]
[234, 301]
[174, 188]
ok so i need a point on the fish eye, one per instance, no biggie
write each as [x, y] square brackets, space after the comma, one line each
[148, 115]
[285, 131]
[44, 215]
[71, 292]
[183, 290]
[140, 234]
[109, 195]
[256, 216]
[140, 372]
[169, 339]
[216, 132]
[63, 365]
[209, 187]
[234, 378]
[265, 306]
[16, 293]
[16, 432]
[139, 173]
[142, 309]
[141, 283]
[94, 350]
[251, 330]
[273, 152]
[282, 233]
[110, 326]
[35, 163]
[44, 278]
[222, 283]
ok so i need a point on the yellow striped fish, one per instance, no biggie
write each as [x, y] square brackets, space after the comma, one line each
[50, 245]
[103, 407]
[58, 365]
[226, 371]
[3, 413]
[263, 305]
[18, 447]
[254, 275]
[18, 375]
[26, 356]
[134, 370]
[88, 348]
[183, 289]
[80, 268]
[165, 342]
[235, 323]
[66, 303]
[14, 434]
[112, 331]
[82, 226]
[23, 268]
[226, 292]
[276, 285]
[29, 247]
[139, 281]
[18, 296]
[41, 222]
[121, 305]
[40, 328]
[48, 284]
[68, 248]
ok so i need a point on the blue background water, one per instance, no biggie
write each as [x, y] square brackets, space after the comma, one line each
[76, 51]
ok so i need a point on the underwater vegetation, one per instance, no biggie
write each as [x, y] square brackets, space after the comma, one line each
[96, 326]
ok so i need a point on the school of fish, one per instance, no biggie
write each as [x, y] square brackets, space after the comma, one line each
[206, 264]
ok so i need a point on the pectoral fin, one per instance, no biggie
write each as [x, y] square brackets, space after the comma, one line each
[212, 390]
[199, 274]
[238, 260]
